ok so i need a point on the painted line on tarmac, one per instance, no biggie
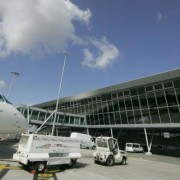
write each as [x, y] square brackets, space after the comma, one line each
[3, 171]
[45, 176]
[6, 166]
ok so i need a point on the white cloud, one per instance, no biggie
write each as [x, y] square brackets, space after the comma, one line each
[159, 17]
[106, 54]
[38, 26]
[2, 84]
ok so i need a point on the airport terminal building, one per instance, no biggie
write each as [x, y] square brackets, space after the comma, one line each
[145, 110]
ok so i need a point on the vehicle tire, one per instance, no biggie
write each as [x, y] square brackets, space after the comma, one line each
[110, 161]
[96, 162]
[123, 162]
[40, 167]
[72, 163]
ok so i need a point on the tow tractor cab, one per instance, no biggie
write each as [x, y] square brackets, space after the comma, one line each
[108, 152]
[38, 151]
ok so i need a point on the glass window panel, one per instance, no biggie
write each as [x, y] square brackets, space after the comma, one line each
[158, 86]
[76, 121]
[104, 97]
[149, 88]
[91, 117]
[177, 83]
[120, 94]
[126, 93]
[175, 114]
[154, 115]
[164, 115]
[121, 105]
[130, 117]
[96, 120]
[143, 101]
[105, 109]
[117, 117]
[128, 103]
[137, 116]
[178, 95]
[101, 119]
[133, 92]
[161, 101]
[141, 90]
[115, 105]
[66, 120]
[168, 85]
[94, 99]
[114, 95]
[108, 97]
[71, 120]
[135, 102]
[171, 97]
[111, 117]
[151, 100]
[145, 117]
[110, 106]
[99, 107]
[124, 118]
[82, 121]
[106, 118]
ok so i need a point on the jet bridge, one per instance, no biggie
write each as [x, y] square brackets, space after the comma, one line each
[37, 116]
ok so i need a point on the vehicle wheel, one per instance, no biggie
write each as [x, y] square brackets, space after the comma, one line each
[123, 162]
[40, 166]
[72, 163]
[96, 162]
[93, 147]
[110, 161]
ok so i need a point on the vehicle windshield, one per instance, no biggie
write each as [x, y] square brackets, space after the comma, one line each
[7, 100]
[24, 140]
[1, 99]
[101, 142]
[136, 145]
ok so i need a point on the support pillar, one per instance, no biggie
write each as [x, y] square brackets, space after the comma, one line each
[87, 131]
[147, 143]
[111, 133]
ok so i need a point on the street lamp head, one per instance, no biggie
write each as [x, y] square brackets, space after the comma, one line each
[15, 73]
[66, 53]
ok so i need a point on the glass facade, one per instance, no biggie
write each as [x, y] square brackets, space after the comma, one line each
[149, 104]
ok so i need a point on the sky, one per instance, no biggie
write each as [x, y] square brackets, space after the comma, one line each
[108, 42]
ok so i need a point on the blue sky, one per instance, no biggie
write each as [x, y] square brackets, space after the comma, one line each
[110, 42]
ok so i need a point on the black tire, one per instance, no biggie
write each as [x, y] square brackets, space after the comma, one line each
[96, 162]
[72, 163]
[40, 167]
[110, 161]
[123, 162]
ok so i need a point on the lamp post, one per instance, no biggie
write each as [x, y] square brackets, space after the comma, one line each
[66, 53]
[14, 74]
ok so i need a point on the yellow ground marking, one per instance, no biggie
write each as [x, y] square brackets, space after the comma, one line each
[54, 171]
[46, 175]
[4, 166]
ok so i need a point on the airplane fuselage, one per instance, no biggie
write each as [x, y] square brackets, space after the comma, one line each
[11, 120]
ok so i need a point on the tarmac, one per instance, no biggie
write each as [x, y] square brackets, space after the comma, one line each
[139, 167]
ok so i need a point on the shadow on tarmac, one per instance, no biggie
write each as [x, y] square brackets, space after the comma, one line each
[7, 149]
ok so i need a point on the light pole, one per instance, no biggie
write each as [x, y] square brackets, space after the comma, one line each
[66, 53]
[14, 74]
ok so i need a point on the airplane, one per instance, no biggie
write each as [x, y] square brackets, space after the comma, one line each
[11, 120]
